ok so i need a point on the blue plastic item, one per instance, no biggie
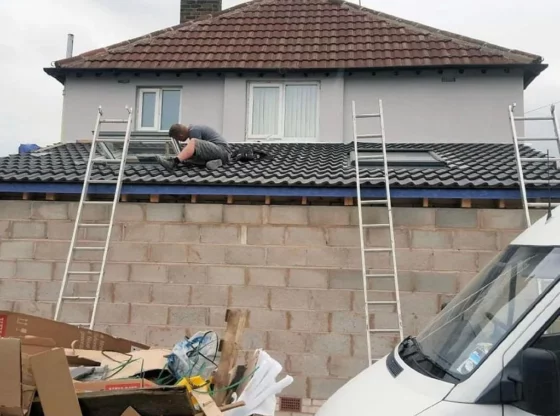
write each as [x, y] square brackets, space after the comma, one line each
[26, 148]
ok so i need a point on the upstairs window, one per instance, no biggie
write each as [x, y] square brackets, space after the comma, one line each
[158, 108]
[286, 111]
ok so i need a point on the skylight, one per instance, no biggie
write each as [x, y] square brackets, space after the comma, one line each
[403, 158]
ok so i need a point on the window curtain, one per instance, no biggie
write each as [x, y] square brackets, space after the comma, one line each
[266, 103]
[300, 120]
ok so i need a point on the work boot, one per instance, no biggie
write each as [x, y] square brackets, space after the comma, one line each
[213, 164]
[170, 165]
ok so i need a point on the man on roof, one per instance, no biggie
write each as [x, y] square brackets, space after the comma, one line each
[204, 147]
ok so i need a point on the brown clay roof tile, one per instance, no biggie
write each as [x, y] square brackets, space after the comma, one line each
[297, 34]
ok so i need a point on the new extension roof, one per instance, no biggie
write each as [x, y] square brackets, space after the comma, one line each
[283, 35]
[309, 166]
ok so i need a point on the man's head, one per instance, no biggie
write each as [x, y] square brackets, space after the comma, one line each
[179, 132]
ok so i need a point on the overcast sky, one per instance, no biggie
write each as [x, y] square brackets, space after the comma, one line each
[33, 34]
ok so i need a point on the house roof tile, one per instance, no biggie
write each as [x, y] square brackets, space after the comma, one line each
[297, 35]
[311, 165]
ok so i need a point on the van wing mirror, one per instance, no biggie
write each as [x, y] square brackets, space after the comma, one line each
[541, 381]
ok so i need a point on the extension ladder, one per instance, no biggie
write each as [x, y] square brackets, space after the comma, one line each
[367, 273]
[518, 141]
[97, 146]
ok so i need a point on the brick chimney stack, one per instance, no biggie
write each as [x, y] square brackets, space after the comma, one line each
[193, 9]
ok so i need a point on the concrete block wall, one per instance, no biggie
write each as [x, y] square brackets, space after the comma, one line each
[174, 269]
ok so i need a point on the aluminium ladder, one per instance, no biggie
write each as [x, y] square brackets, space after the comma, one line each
[367, 273]
[94, 161]
[518, 141]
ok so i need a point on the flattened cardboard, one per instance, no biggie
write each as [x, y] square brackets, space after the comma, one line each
[112, 385]
[130, 412]
[35, 345]
[10, 377]
[54, 384]
[19, 325]
[207, 404]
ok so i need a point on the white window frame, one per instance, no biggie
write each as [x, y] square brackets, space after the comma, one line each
[157, 116]
[282, 109]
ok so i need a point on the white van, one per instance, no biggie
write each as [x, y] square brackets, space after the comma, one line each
[494, 350]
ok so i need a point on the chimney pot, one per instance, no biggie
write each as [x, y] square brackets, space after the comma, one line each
[195, 9]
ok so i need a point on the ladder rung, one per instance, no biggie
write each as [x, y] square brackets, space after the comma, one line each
[367, 115]
[380, 178]
[108, 182]
[80, 272]
[98, 202]
[386, 330]
[114, 120]
[106, 160]
[78, 297]
[87, 225]
[374, 157]
[543, 181]
[89, 248]
[536, 139]
[382, 302]
[77, 324]
[369, 136]
[539, 159]
[107, 140]
[377, 250]
[534, 118]
[374, 202]
[380, 275]
[542, 204]
[375, 225]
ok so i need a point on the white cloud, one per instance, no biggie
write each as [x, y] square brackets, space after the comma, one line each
[33, 34]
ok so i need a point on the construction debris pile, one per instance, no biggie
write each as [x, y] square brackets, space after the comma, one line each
[55, 369]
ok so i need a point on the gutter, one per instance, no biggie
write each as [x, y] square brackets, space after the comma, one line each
[274, 191]
[530, 70]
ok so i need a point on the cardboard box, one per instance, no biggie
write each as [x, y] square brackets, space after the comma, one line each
[15, 395]
[112, 385]
[19, 325]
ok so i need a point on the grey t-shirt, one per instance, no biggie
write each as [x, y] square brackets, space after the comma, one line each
[206, 133]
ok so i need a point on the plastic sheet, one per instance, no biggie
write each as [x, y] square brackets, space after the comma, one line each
[261, 391]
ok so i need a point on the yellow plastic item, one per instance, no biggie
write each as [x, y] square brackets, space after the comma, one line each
[197, 383]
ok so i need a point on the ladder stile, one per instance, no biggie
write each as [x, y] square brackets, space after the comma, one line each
[93, 157]
[535, 161]
[519, 165]
[384, 202]
[361, 230]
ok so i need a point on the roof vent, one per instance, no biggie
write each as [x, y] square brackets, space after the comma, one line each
[290, 404]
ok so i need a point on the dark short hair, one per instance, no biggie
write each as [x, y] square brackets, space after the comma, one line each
[175, 129]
